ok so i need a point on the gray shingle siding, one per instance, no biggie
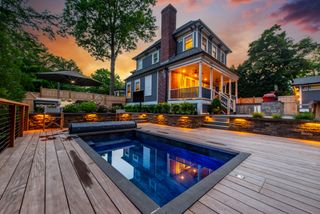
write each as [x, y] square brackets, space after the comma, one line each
[154, 92]
[179, 47]
[147, 61]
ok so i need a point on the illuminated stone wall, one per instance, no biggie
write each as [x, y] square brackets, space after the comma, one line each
[277, 127]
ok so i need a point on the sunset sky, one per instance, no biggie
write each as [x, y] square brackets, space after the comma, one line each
[236, 22]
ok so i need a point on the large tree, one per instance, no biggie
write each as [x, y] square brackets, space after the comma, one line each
[274, 60]
[103, 75]
[106, 28]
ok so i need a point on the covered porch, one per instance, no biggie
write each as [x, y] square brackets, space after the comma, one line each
[201, 80]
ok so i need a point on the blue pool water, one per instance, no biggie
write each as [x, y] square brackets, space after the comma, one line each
[161, 168]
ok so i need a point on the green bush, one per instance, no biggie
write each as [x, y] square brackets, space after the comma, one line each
[304, 116]
[71, 108]
[257, 115]
[165, 108]
[175, 108]
[187, 108]
[102, 109]
[276, 116]
[88, 107]
[215, 107]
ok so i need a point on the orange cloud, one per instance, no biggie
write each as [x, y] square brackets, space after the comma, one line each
[188, 5]
[237, 2]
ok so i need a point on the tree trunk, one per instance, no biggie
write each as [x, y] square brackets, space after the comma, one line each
[112, 68]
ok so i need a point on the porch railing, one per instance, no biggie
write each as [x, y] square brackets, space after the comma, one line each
[13, 121]
[184, 93]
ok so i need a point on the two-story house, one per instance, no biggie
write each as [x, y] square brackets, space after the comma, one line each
[188, 64]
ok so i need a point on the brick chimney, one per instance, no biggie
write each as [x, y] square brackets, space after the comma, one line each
[168, 26]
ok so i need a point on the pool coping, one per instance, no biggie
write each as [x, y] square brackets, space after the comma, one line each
[177, 205]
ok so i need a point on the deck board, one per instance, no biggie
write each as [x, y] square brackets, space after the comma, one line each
[42, 175]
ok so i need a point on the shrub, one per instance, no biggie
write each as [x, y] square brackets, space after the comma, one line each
[276, 116]
[71, 108]
[216, 107]
[304, 116]
[88, 106]
[187, 108]
[257, 115]
[102, 109]
[175, 108]
[165, 108]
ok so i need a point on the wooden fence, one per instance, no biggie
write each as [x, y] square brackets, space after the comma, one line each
[66, 95]
[13, 121]
[290, 103]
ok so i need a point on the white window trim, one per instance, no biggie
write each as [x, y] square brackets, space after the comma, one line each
[183, 41]
[214, 46]
[145, 84]
[157, 53]
[207, 43]
[222, 57]
[128, 83]
[135, 83]
[139, 60]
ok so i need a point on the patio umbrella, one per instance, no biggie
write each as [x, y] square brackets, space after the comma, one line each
[70, 77]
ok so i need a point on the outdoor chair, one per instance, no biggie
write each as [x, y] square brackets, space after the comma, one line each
[55, 117]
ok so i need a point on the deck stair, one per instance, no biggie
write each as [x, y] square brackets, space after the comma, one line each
[217, 122]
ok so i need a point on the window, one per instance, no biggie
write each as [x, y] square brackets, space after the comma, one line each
[139, 64]
[188, 42]
[148, 85]
[222, 57]
[137, 85]
[214, 51]
[128, 89]
[204, 43]
[155, 57]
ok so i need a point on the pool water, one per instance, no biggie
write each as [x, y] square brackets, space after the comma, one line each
[161, 168]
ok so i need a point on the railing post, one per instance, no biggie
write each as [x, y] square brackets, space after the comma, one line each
[12, 116]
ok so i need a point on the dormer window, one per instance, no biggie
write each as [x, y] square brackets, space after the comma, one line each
[188, 42]
[139, 64]
[155, 57]
[204, 43]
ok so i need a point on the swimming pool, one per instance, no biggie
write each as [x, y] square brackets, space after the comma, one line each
[159, 169]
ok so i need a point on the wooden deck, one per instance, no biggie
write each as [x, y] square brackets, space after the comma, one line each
[49, 173]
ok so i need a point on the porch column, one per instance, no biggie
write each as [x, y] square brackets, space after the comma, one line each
[200, 79]
[236, 90]
[300, 96]
[211, 83]
[230, 87]
[221, 84]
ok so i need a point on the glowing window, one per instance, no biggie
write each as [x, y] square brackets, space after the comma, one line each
[128, 89]
[137, 85]
[188, 42]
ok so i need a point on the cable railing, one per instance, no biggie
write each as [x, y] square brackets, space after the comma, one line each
[13, 121]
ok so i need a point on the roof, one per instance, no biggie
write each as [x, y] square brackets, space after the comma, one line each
[183, 55]
[306, 80]
[156, 43]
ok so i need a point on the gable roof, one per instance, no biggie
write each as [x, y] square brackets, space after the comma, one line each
[306, 80]
[156, 43]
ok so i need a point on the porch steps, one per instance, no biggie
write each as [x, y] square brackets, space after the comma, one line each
[217, 122]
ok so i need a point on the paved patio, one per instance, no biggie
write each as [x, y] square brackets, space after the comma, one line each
[49, 173]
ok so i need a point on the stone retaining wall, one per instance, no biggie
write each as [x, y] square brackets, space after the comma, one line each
[277, 127]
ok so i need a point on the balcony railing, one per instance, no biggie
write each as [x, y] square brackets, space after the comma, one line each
[13, 121]
[189, 93]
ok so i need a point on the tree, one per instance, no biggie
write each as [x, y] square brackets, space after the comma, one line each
[274, 60]
[107, 28]
[103, 76]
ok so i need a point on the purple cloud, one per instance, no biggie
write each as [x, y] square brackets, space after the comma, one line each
[304, 13]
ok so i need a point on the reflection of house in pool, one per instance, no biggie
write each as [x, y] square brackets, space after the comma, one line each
[152, 167]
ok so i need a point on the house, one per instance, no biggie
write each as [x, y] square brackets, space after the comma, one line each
[309, 93]
[188, 64]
